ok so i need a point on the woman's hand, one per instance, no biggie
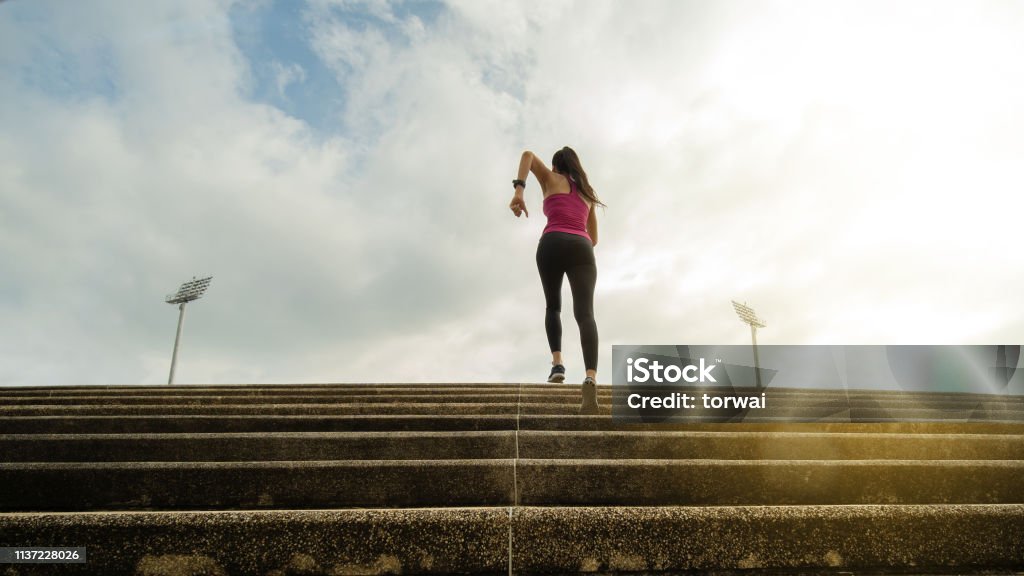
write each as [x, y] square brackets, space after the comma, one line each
[518, 206]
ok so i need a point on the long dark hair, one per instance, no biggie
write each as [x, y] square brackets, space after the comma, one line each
[565, 161]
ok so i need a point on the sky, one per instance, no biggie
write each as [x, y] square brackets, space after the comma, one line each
[851, 170]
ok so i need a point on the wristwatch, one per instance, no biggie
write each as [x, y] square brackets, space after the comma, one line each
[518, 182]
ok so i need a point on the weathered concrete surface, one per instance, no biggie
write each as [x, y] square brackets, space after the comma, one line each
[437, 541]
[247, 423]
[725, 445]
[470, 400]
[333, 398]
[916, 539]
[775, 412]
[421, 388]
[601, 422]
[32, 486]
[302, 409]
[256, 446]
[368, 423]
[424, 483]
[402, 445]
[770, 482]
[530, 396]
[810, 539]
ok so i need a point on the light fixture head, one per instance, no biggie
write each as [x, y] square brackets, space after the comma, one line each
[747, 315]
[189, 291]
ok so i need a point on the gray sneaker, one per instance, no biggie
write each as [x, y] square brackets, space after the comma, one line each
[557, 375]
[589, 405]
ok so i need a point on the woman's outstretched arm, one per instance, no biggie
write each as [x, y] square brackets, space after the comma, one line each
[528, 162]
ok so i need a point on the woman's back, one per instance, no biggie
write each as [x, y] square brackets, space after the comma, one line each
[566, 210]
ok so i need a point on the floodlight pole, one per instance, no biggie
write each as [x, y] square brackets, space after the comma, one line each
[177, 340]
[757, 361]
[748, 316]
[189, 291]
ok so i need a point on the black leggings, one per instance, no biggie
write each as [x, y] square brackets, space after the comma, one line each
[572, 255]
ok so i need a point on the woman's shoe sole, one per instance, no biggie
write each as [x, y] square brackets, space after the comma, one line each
[557, 379]
[589, 405]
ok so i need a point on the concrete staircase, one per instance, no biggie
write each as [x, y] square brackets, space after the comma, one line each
[504, 478]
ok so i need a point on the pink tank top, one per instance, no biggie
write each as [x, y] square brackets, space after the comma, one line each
[567, 212]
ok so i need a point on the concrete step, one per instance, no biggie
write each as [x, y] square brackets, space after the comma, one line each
[33, 486]
[468, 405]
[770, 482]
[784, 412]
[500, 478]
[533, 540]
[244, 447]
[484, 396]
[82, 486]
[369, 423]
[769, 540]
[271, 542]
[322, 398]
[505, 403]
[247, 423]
[446, 409]
[424, 387]
[724, 445]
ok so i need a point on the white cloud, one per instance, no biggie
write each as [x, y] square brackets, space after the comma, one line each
[286, 75]
[852, 177]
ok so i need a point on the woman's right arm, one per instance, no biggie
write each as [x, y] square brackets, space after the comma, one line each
[529, 162]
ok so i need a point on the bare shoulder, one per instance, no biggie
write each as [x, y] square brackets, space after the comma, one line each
[556, 184]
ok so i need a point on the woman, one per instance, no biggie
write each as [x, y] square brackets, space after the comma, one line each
[566, 248]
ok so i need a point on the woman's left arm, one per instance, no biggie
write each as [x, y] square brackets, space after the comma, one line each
[592, 225]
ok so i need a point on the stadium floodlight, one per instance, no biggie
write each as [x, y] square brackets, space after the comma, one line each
[189, 291]
[747, 315]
